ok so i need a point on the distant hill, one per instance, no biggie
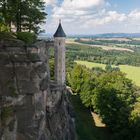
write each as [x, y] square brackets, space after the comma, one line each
[45, 36]
[109, 35]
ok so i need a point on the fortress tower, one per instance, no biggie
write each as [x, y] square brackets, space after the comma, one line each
[59, 50]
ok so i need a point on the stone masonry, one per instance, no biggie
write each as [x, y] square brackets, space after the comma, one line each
[31, 106]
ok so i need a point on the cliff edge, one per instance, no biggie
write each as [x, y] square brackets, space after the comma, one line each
[32, 107]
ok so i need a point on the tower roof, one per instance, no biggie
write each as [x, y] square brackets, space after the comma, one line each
[60, 32]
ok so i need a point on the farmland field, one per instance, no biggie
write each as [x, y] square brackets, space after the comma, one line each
[132, 72]
[104, 47]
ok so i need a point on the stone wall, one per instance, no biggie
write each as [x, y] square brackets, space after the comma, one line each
[31, 107]
[59, 46]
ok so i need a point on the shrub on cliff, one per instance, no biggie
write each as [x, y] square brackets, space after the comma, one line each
[5, 113]
[3, 26]
[27, 37]
[7, 35]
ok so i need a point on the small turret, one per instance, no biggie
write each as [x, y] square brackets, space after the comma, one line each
[60, 32]
[59, 46]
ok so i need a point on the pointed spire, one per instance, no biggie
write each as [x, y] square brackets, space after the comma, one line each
[60, 32]
[59, 21]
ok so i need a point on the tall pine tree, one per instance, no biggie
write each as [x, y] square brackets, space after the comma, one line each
[26, 15]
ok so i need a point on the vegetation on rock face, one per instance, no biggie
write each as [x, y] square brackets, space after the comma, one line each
[7, 35]
[51, 64]
[3, 26]
[26, 37]
[12, 89]
[112, 96]
[6, 112]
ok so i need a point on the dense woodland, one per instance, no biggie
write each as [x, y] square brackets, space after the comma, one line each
[107, 92]
[111, 95]
[108, 42]
[92, 54]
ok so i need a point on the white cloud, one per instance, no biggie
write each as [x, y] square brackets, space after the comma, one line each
[75, 9]
[85, 15]
[135, 14]
[81, 4]
[50, 2]
[107, 18]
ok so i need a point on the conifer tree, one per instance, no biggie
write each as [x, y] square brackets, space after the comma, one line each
[26, 15]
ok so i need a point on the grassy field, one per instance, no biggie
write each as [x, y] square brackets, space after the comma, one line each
[85, 124]
[104, 47]
[132, 72]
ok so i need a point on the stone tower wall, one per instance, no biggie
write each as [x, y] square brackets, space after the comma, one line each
[59, 46]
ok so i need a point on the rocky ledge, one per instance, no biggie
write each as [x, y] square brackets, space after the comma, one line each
[31, 106]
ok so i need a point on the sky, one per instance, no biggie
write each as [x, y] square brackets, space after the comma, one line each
[93, 16]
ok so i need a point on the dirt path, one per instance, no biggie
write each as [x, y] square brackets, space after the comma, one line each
[97, 120]
[88, 128]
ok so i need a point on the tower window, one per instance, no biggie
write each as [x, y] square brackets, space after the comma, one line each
[59, 43]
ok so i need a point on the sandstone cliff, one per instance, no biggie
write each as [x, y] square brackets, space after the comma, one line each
[31, 106]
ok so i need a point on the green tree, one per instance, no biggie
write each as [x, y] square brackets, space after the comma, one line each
[32, 15]
[26, 15]
[114, 96]
[87, 91]
[81, 80]
[135, 120]
[76, 78]
[3, 26]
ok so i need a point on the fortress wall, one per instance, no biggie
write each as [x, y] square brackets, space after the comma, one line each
[31, 107]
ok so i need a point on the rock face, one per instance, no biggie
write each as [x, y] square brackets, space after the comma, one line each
[31, 106]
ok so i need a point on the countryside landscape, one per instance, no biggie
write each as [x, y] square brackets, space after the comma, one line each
[100, 55]
[69, 70]
[125, 54]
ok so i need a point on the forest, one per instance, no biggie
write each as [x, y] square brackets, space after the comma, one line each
[98, 55]
[112, 96]
[107, 92]
[107, 42]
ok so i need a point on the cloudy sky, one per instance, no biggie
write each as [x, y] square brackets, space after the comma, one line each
[93, 16]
